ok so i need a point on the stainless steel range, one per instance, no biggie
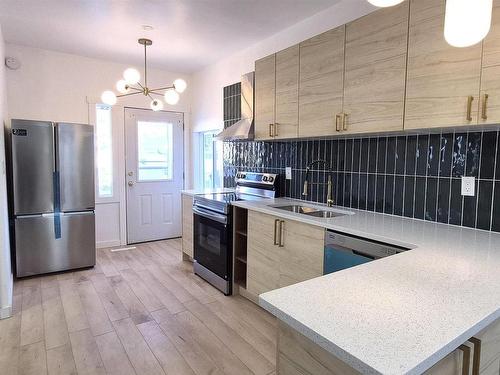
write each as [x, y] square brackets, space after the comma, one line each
[213, 221]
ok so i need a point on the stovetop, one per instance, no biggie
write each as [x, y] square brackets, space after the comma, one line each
[249, 186]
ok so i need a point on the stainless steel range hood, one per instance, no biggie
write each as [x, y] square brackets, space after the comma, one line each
[243, 129]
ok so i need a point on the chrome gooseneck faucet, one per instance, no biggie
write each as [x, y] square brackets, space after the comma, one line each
[305, 192]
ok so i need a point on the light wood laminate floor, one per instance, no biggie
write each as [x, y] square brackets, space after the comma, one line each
[141, 312]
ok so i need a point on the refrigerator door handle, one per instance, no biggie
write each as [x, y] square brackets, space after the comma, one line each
[28, 216]
[78, 213]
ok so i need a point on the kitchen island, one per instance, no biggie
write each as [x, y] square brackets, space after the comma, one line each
[398, 315]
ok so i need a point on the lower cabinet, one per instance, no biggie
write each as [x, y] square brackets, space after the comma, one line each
[480, 355]
[281, 252]
[187, 226]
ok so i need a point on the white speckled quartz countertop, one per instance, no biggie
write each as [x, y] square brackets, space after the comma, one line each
[400, 314]
[192, 192]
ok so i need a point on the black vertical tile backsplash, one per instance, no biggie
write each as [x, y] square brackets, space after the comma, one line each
[415, 176]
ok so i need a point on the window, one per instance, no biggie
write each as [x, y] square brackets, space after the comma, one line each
[211, 160]
[104, 153]
[155, 151]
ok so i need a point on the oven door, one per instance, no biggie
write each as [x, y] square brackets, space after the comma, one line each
[212, 241]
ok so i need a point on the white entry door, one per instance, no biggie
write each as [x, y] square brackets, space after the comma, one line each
[154, 174]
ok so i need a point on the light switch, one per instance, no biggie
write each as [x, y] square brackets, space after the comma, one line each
[288, 173]
[469, 186]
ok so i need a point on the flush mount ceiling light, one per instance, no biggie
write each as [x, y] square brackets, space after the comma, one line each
[130, 85]
[467, 22]
[385, 3]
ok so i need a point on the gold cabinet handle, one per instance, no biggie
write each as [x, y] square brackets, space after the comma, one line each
[271, 130]
[338, 118]
[484, 115]
[276, 243]
[469, 107]
[344, 121]
[275, 129]
[281, 234]
[466, 359]
[476, 356]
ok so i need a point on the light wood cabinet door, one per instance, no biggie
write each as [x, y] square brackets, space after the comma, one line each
[449, 365]
[265, 96]
[287, 93]
[301, 254]
[187, 225]
[375, 71]
[262, 253]
[321, 83]
[490, 349]
[490, 74]
[440, 78]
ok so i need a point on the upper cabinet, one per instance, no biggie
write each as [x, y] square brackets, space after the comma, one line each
[489, 109]
[390, 70]
[375, 71]
[276, 95]
[287, 93]
[321, 83]
[265, 96]
[442, 81]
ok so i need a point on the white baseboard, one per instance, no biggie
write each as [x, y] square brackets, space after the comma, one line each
[6, 312]
[102, 244]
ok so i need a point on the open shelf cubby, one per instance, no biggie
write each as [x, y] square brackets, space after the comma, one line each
[240, 222]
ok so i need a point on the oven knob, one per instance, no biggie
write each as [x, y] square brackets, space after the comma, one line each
[264, 178]
[271, 179]
[243, 176]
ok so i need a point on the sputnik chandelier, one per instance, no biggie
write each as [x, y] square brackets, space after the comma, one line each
[130, 85]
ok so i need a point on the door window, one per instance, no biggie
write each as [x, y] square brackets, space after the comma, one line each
[155, 151]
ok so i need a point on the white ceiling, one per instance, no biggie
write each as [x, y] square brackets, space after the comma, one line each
[187, 35]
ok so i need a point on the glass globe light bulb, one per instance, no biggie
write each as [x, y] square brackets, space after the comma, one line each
[122, 86]
[156, 105]
[385, 3]
[131, 76]
[467, 22]
[108, 97]
[180, 85]
[171, 97]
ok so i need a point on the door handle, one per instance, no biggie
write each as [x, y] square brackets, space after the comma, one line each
[276, 232]
[338, 118]
[465, 359]
[344, 121]
[484, 115]
[282, 223]
[476, 356]
[131, 183]
[130, 173]
[470, 98]
[271, 130]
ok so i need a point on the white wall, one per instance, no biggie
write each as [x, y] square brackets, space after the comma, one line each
[207, 84]
[63, 87]
[5, 264]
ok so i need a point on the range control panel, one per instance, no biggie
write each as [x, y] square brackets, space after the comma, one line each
[258, 178]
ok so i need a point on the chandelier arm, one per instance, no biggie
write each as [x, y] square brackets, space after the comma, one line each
[128, 94]
[135, 88]
[163, 88]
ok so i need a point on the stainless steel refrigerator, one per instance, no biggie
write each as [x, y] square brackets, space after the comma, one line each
[52, 196]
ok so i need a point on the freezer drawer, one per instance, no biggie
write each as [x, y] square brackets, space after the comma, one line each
[32, 166]
[75, 158]
[39, 251]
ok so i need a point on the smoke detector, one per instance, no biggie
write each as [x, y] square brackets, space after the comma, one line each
[12, 63]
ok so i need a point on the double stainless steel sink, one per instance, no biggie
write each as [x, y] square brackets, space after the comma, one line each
[311, 211]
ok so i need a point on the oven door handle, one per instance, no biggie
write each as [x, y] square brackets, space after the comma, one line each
[210, 215]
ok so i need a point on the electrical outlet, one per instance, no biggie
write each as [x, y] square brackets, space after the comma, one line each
[288, 173]
[468, 186]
